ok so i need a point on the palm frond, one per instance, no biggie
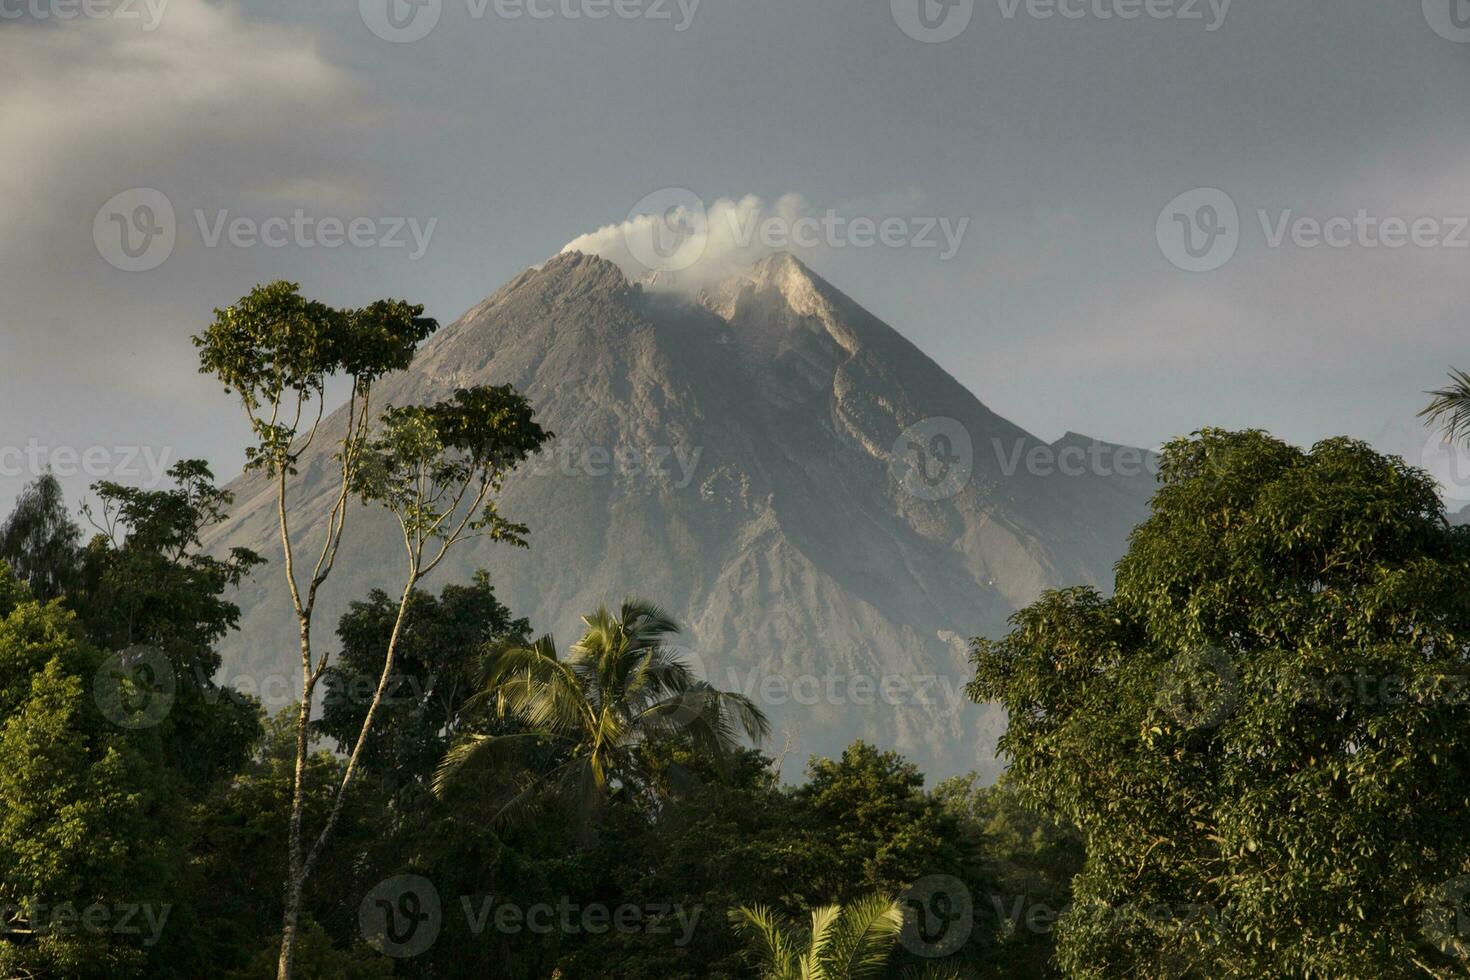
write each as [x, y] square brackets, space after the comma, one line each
[933, 971]
[751, 719]
[600, 636]
[532, 685]
[824, 926]
[863, 938]
[646, 623]
[659, 672]
[1450, 408]
[618, 685]
[769, 932]
[707, 715]
[560, 786]
[491, 752]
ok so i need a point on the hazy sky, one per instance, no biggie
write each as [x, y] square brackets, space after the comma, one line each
[1060, 138]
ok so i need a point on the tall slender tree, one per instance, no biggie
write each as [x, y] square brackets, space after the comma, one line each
[437, 468]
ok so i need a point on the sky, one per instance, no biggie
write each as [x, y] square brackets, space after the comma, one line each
[1170, 213]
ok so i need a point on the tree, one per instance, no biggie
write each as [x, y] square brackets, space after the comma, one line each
[860, 823]
[1032, 860]
[621, 685]
[875, 829]
[88, 824]
[438, 664]
[115, 729]
[39, 540]
[240, 857]
[316, 959]
[437, 468]
[144, 581]
[1261, 735]
[1450, 407]
[843, 942]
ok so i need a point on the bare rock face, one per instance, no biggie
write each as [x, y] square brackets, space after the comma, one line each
[781, 470]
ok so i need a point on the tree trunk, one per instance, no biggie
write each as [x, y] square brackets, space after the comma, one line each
[295, 873]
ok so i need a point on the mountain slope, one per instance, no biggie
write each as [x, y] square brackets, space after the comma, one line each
[732, 457]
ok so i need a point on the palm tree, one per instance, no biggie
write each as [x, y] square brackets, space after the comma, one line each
[1451, 407]
[848, 942]
[621, 684]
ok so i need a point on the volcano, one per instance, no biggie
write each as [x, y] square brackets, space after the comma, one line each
[828, 512]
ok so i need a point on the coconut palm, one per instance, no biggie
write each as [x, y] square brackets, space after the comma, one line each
[843, 942]
[621, 684]
[1451, 407]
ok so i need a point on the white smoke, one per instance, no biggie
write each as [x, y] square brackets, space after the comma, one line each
[673, 240]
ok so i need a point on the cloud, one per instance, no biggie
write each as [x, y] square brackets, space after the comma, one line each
[104, 90]
[215, 108]
[674, 241]
[212, 107]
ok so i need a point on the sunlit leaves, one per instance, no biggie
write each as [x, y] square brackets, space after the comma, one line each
[1263, 734]
[427, 462]
[277, 349]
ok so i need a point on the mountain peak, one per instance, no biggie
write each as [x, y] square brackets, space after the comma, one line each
[742, 472]
[782, 262]
[781, 275]
[775, 269]
[585, 272]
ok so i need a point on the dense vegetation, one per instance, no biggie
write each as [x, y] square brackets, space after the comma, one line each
[1250, 760]
[1262, 734]
[99, 813]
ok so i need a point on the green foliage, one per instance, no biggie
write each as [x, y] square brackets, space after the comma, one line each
[437, 667]
[100, 810]
[875, 827]
[318, 959]
[145, 581]
[1450, 407]
[239, 837]
[842, 942]
[39, 539]
[13, 591]
[717, 843]
[85, 823]
[1031, 860]
[277, 349]
[621, 685]
[429, 464]
[1261, 735]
